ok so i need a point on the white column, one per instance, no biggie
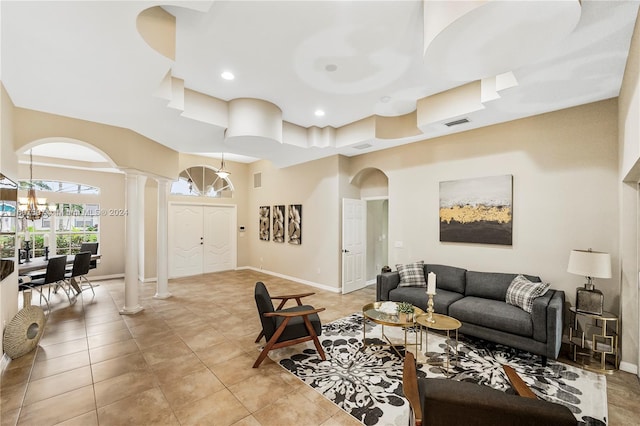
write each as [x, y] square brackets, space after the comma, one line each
[162, 262]
[131, 303]
[142, 180]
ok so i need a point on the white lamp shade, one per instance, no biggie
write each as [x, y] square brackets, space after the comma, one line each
[590, 264]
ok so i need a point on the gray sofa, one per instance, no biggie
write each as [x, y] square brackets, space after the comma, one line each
[477, 299]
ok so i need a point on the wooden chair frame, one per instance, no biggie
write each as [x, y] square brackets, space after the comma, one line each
[283, 300]
[273, 342]
[410, 385]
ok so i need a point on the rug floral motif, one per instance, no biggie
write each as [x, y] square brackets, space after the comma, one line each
[367, 382]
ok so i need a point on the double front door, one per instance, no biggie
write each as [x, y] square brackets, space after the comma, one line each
[202, 239]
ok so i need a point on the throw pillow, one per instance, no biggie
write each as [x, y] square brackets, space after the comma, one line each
[412, 275]
[522, 292]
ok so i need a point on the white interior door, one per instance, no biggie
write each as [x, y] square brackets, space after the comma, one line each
[354, 227]
[185, 240]
[219, 239]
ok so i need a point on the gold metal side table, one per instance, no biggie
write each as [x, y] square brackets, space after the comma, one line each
[596, 341]
[371, 312]
[442, 323]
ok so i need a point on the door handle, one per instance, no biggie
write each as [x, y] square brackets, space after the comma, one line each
[345, 251]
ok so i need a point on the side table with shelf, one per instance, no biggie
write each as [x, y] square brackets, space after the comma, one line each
[596, 342]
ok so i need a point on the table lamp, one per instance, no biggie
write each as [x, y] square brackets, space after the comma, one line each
[590, 264]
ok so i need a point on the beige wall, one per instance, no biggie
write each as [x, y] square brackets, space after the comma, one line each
[564, 167]
[127, 149]
[629, 148]
[314, 185]
[8, 167]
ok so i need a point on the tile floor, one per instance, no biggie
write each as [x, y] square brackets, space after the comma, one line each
[184, 361]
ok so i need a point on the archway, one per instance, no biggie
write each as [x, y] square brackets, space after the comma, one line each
[373, 185]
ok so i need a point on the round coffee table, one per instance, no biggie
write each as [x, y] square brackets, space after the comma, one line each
[371, 312]
[442, 323]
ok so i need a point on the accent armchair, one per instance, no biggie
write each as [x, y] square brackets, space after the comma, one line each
[286, 326]
[445, 402]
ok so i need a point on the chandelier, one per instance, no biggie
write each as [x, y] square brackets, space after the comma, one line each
[222, 172]
[32, 207]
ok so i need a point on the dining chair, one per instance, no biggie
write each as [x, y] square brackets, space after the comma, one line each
[286, 327]
[93, 249]
[81, 266]
[54, 275]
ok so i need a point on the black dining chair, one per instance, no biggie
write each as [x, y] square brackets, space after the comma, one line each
[53, 276]
[93, 249]
[81, 266]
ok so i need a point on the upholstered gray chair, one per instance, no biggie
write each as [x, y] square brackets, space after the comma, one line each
[286, 326]
[445, 402]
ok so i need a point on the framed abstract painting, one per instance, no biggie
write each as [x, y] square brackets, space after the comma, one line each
[477, 210]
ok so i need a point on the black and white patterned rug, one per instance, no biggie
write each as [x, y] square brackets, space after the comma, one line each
[367, 383]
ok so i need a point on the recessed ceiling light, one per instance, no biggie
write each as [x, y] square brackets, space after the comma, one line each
[319, 113]
[227, 75]
[331, 67]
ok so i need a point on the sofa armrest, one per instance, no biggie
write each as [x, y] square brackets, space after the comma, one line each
[548, 319]
[385, 283]
[555, 324]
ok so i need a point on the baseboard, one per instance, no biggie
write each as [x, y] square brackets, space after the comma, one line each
[105, 277]
[149, 280]
[629, 368]
[298, 280]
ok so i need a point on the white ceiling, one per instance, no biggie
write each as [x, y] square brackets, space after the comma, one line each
[351, 59]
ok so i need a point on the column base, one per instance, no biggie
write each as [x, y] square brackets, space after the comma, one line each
[162, 295]
[131, 311]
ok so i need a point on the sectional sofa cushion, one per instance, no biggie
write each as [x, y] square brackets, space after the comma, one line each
[412, 275]
[522, 292]
[494, 314]
[418, 297]
[491, 285]
[448, 277]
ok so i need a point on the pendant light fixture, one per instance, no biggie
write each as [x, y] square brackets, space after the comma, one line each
[222, 172]
[31, 207]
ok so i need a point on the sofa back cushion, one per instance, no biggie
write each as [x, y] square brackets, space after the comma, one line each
[491, 285]
[448, 277]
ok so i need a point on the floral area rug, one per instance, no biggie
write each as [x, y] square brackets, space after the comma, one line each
[367, 382]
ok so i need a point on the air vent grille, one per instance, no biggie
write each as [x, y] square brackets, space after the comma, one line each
[457, 122]
[257, 180]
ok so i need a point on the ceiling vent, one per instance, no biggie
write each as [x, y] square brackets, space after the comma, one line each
[457, 122]
[257, 180]
[363, 146]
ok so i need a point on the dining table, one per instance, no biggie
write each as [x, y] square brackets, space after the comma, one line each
[38, 263]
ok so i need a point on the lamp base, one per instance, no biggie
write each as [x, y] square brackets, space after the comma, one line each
[589, 300]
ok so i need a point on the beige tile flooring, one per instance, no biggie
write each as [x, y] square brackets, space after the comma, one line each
[185, 361]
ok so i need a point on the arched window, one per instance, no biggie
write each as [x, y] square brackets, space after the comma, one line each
[202, 181]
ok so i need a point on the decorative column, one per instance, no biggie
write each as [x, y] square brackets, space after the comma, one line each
[131, 302]
[162, 255]
[142, 180]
